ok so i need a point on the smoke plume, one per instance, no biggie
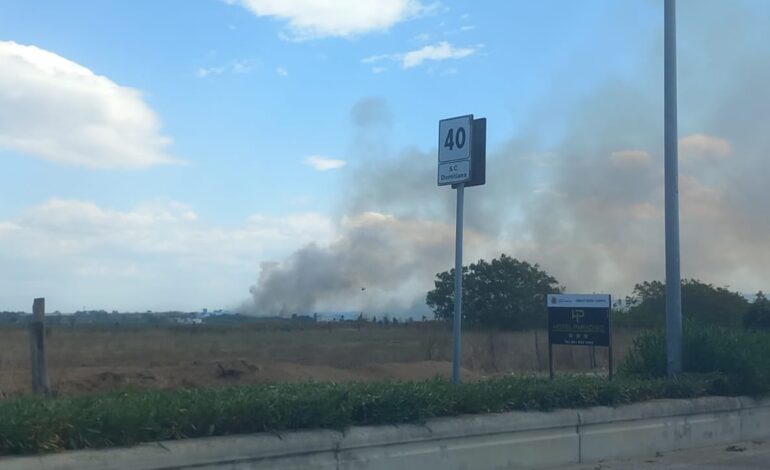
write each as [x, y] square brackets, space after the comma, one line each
[588, 209]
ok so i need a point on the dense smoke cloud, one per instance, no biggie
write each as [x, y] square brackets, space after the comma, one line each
[374, 266]
[589, 209]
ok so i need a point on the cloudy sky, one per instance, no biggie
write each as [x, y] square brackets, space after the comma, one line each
[281, 155]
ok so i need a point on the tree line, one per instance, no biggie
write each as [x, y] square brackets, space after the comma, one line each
[508, 293]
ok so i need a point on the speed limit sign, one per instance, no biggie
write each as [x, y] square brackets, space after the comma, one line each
[454, 150]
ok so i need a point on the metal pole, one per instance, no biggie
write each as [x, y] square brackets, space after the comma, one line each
[673, 275]
[550, 358]
[550, 346]
[456, 353]
[609, 350]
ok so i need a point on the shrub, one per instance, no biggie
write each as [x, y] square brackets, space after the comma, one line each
[758, 315]
[33, 425]
[743, 357]
[700, 302]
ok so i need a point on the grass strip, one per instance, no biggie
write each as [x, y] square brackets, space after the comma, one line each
[31, 425]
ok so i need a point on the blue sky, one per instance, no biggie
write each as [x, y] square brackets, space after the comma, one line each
[220, 105]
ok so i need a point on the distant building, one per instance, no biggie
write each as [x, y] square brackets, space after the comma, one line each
[337, 316]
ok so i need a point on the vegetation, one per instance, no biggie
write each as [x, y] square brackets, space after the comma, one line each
[509, 294]
[32, 425]
[740, 356]
[758, 314]
[505, 293]
[701, 301]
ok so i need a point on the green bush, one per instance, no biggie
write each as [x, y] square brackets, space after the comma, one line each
[33, 425]
[700, 302]
[758, 315]
[742, 357]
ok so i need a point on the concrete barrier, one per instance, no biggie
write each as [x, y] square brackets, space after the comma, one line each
[658, 426]
[513, 440]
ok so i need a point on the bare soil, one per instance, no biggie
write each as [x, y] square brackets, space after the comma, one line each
[84, 359]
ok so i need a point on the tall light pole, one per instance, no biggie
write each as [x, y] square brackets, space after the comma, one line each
[673, 274]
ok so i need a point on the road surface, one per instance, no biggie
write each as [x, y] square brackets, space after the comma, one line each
[754, 455]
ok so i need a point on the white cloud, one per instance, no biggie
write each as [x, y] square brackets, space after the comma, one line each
[234, 66]
[461, 29]
[76, 252]
[440, 51]
[436, 52]
[74, 213]
[7, 227]
[204, 72]
[312, 19]
[156, 227]
[376, 58]
[702, 146]
[281, 71]
[58, 110]
[323, 163]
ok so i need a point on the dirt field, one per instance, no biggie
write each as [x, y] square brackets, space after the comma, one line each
[83, 359]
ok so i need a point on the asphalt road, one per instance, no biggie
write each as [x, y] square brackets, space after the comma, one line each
[753, 455]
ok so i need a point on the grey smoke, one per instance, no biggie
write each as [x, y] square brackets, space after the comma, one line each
[588, 209]
[376, 257]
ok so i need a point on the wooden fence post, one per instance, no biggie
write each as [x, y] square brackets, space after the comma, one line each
[37, 348]
[537, 353]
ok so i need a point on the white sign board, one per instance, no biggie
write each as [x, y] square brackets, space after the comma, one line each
[579, 300]
[454, 150]
[454, 172]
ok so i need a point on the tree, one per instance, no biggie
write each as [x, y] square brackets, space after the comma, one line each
[758, 314]
[701, 301]
[504, 293]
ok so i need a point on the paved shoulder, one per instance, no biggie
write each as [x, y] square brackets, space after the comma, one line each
[754, 455]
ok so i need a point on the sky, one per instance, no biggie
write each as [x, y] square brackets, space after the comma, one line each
[280, 157]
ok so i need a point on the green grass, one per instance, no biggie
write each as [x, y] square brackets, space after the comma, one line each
[33, 425]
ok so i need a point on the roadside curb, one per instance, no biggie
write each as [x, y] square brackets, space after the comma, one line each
[502, 440]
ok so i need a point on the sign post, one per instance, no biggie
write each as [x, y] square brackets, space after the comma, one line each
[458, 311]
[461, 163]
[579, 320]
[40, 384]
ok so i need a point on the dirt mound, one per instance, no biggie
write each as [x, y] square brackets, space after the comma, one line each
[102, 379]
